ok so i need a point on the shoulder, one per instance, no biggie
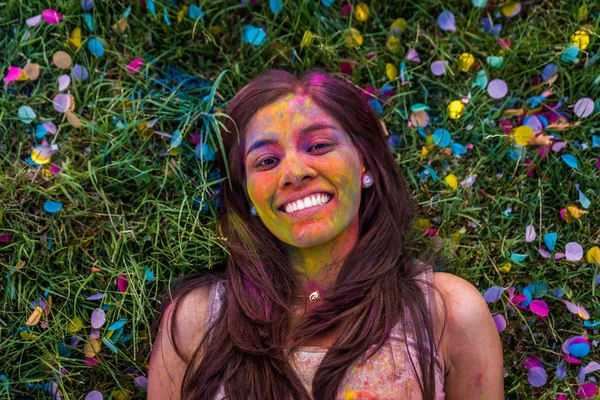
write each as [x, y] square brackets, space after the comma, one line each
[181, 328]
[470, 344]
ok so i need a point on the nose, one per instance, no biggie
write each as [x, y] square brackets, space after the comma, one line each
[295, 169]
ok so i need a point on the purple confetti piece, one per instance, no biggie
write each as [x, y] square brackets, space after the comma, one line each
[561, 371]
[438, 68]
[98, 318]
[530, 234]
[500, 322]
[497, 89]
[493, 294]
[94, 395]
[584, 107]
[141, 382]
[537, 376]
[96, 296]
[446, 21]
[573, 251]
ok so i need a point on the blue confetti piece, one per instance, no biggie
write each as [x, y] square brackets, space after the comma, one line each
[481, 80]
[579, 349]
[432, 173]
[127, 12]
[549, 71]
[570, 160]
[458, 149]
[276, 6]
[441, 137]
[87, 5]
[176, 139]
[479, 3]
[253, 35]
[327, 3]
[585, 202]
[40, 131]
[570, 54]
[89, 21]
[166, 16]
[403, 74]
[118, 324]
[195, 12]
[148, 274]
[96, 47]
[528, 297]
[550, 240]
[151, 7]
[110, 345]
[591, 324]
[595, 141]
[376, 106]
[52, 206]
[422, 132]
[419, 107]
[204, 152]
[518, 257]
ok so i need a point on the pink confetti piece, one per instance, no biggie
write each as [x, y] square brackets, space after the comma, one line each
[6, 237]
[135, 65]
[33, 21]
[532, 362]
[587, 390]
[530, 233]
[63, 82]
[556, 147]
[413, 56]
[13, 74]
[539, 307]
[61, 103]
[51, 16]
[90, 361]
[122, 283]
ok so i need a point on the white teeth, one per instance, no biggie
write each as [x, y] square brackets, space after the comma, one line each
[310, 201]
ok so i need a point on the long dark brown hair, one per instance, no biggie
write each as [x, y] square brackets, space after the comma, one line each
[376, 288]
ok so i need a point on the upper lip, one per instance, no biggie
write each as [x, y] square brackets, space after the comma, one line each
[302, 196]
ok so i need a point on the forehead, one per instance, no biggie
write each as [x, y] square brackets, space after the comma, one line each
[287, 111]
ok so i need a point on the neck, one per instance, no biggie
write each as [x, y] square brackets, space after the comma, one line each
[317, 267]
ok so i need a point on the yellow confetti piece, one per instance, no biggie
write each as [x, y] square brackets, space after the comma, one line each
[75, 325]
[92, 348]
[580, 39]
[456, 109]
[522, 134]
[424, 152]
[353, 38]
[48, 306]
[27, 336]
[451, 181]
[361, 12]
[120, 26]
[458, 235]
[35, 316]
[510, 8]
[398, 26]
[391, 71]
[75, 40]
[506, 267]
[120, 395]
[38, 157]
[214, 30]
[572, 213]
[393, 44]
[73, 120]
[307, 39]
[593, 255]
[422, 223]
[582, 13]
[181, 13]
[465, 61]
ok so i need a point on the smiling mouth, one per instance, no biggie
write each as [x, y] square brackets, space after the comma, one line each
[306, 210]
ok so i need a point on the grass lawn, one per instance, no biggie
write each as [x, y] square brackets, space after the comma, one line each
[109, 124]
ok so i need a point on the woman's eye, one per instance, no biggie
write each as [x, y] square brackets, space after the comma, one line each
[323, 146]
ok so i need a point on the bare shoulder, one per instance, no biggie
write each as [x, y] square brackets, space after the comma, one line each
[186, 327]
[471, 345]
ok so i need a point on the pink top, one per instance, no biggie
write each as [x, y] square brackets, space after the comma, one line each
[387, 375]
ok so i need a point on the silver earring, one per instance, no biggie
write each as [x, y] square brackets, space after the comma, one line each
[253, 211]
[367, 180]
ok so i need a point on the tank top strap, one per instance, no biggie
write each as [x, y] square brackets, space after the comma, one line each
[215, 301]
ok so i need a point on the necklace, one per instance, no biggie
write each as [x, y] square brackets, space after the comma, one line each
[313, 297]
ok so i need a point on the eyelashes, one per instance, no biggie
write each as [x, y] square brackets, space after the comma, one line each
[325, 146]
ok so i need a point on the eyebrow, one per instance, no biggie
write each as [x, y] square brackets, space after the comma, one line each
[303, 131]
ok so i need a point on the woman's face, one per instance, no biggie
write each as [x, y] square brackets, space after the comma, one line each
[293, 149]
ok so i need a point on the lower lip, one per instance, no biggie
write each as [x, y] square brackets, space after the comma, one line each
[309, 210]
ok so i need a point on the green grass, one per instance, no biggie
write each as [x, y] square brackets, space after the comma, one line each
[129, 206]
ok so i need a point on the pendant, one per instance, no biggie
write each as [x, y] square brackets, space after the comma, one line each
[314, 296]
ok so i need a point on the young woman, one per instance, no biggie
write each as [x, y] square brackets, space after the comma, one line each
[320, 296]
